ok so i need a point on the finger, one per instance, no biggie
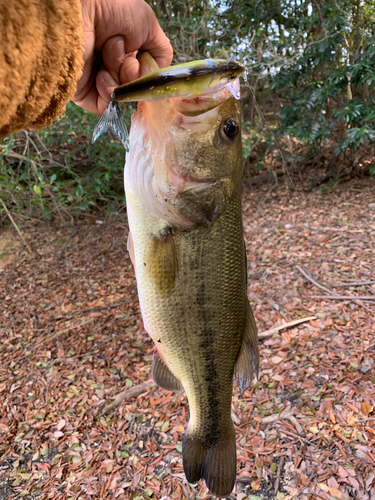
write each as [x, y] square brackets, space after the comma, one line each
[156, 42]
[105, 84]
[159, 46]
[142, 31]
[92, 62]
[92, 101]
[113, 53]
[130, 70]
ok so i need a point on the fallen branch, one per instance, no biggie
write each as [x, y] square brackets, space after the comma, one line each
[368, 298]
[311, 279]
[272, 331]
[122, 396]
[277, 482]
[339, 229]
[15, 225]
[284, 415]
[355, 283]
[357, 299]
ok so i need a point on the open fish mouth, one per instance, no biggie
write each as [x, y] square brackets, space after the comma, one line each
[197, 105]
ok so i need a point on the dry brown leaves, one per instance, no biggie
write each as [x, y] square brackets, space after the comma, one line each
[305, 430]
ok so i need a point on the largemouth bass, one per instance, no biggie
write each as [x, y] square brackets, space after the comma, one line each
[183, 179]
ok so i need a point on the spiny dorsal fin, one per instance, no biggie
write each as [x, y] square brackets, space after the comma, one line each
[248, 358]
[162, 375]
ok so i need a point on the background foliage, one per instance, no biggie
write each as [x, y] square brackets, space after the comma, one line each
[311, 66]
[311, 73]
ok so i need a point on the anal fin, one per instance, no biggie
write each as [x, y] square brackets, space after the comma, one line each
[162, 375]
[248, 358]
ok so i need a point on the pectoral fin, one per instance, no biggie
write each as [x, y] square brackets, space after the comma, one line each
[130, 247]
[161, 262]
[248, 358]
[162, 375]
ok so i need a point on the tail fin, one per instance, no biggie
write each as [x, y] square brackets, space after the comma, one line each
[112, 121]
[215, 464]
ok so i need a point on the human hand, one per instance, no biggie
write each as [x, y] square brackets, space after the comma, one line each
[113, 32]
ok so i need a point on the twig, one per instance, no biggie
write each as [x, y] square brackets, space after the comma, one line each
[339, 229]
[15, 225]
[122, 396]
[32, 348]
[296, 436]
[310, 278]
[244, 479]
[271, 331]
[356, 299]
[284, 415]
[313, 476]
[277, 482]
[355, 283]
[369, 347]
[67, 243]
[369, 298]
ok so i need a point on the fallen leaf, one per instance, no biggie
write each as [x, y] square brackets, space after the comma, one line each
[61, 424]
[255, 485]
[276, 360]
[366, 408]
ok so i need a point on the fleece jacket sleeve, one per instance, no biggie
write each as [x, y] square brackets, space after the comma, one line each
[41, 59]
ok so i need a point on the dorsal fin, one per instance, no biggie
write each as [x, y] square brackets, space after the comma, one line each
[248, 359]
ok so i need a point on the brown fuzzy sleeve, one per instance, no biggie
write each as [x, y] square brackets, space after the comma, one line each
[41, 59]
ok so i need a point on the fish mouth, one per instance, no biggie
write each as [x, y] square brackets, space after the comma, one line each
[198, 105]
[195, 106]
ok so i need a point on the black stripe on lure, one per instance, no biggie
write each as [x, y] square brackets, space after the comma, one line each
[181, 80]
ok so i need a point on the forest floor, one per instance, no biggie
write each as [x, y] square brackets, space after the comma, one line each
[72, 338]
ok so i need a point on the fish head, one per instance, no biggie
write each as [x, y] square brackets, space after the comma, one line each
[185, 159]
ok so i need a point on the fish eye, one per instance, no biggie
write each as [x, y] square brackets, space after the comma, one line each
[230, 128]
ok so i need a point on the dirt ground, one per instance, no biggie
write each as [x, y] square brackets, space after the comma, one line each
[72, 338]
